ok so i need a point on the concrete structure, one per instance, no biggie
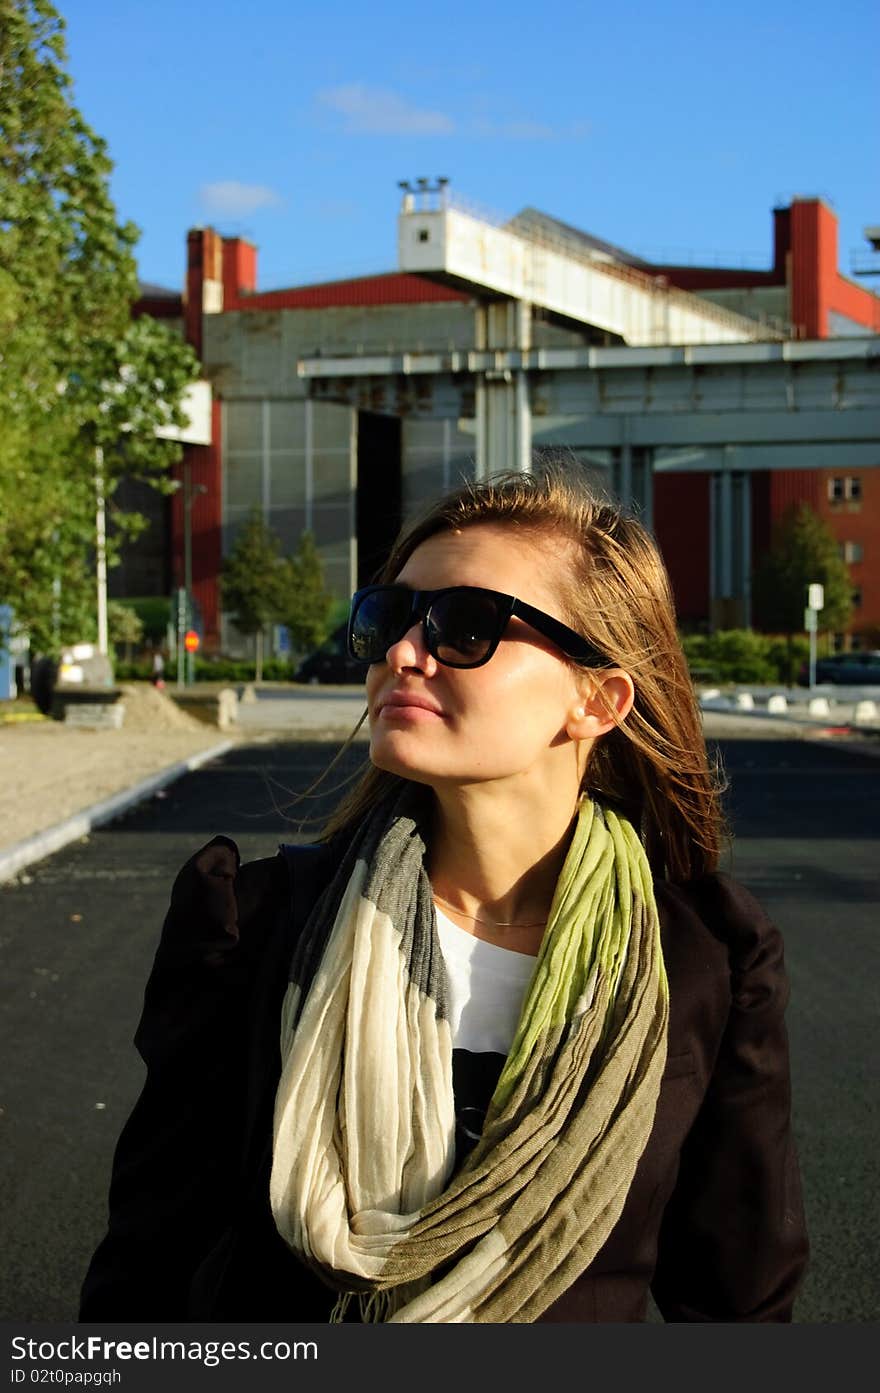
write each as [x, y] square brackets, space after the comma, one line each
[707, 398]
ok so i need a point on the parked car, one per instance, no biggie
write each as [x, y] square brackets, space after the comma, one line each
[331, 663]
[857, 669]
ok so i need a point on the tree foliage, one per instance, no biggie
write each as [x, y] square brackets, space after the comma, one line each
[125, 626]
[253, 577]
[260, 586]
[309, 604]
[76, 372]
[804, 550]
[254, 580]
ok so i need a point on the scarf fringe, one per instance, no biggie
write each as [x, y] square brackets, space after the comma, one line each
[375, 1308]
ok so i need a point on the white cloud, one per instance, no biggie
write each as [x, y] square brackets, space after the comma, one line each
[367, 110]
[229, 198]
[379, 111]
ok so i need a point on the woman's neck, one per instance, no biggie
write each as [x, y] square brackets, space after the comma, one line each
[495, 860]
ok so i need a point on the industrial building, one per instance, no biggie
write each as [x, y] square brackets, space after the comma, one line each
[707, 398]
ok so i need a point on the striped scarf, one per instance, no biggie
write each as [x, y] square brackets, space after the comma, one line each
[362, 1185]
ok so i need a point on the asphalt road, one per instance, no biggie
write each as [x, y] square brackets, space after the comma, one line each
[77, 936]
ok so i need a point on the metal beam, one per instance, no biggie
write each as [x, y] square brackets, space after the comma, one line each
[865, 350]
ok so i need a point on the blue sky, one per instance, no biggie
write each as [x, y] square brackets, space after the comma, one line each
[670, 129]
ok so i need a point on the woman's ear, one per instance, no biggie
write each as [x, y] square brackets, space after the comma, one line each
[603, 703]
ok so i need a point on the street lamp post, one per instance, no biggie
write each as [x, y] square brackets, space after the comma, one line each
[190, 491]
[101, 552]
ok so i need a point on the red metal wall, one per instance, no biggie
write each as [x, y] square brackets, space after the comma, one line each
[681, 526]
[858, 521]
[239, 269]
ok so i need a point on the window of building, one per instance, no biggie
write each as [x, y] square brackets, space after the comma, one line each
[850, 552]
[857, 598]
[424, 234]
[845, 486]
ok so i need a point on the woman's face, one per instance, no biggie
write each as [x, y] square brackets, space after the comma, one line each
[505, 720]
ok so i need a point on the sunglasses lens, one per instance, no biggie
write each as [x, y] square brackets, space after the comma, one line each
[462, 626]
[378, 621]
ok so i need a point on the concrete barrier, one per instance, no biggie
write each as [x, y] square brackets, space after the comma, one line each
[744, 701]
[227, 708]
[819, 706]
[865, 713]
[218, 708]
[776, 704]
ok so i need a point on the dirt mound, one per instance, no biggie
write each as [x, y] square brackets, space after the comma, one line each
[147, 708]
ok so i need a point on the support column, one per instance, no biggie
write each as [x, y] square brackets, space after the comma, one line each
[625, 476]
[731, 546]
[503, 406]
[745, 545]
[647, 514]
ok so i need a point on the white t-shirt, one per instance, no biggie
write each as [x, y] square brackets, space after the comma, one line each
[487, 987]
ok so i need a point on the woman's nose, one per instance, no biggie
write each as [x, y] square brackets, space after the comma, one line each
[411, 651]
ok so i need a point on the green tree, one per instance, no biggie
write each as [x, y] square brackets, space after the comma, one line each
[803, 550]
[125, 626]
[77, 375]
[309, 603]
[254, 581]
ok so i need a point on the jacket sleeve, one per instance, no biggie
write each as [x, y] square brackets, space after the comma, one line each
[733, 1244]
[176, 1163]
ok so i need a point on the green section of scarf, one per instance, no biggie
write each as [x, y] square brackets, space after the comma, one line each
[362, 1185]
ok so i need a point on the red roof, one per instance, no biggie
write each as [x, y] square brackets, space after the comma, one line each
[391, 288]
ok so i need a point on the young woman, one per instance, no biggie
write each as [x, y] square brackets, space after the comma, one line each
[504, 1045]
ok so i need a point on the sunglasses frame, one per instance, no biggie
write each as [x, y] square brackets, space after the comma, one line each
[571, 644]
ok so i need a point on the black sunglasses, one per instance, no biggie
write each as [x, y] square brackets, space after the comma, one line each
[462, 624]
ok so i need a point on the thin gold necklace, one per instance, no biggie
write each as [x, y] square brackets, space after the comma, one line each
[489, 923]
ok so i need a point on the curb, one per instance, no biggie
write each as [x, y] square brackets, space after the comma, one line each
[860, 739]
[784, 718]
[24, 853]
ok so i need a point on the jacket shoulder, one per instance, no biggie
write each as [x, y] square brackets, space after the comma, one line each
[733, 928]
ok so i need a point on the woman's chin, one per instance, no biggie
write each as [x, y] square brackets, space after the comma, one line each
[396, 753]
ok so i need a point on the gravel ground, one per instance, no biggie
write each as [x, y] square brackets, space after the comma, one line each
[50, 771]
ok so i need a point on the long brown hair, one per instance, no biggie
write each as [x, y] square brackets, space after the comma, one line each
[653, 766]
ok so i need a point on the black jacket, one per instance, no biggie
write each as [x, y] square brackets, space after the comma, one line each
[713, 1224]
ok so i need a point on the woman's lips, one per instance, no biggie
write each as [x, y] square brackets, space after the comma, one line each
[403, 707]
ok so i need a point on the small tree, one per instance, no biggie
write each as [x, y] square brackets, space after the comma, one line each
[309, 603]
[124, 625]
[253, 582]
[804, 549]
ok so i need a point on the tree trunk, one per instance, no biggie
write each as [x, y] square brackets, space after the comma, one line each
[258, 671]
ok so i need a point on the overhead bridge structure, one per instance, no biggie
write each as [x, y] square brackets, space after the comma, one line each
[514, 268]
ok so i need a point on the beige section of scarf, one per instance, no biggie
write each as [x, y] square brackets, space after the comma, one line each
[364, 1128]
